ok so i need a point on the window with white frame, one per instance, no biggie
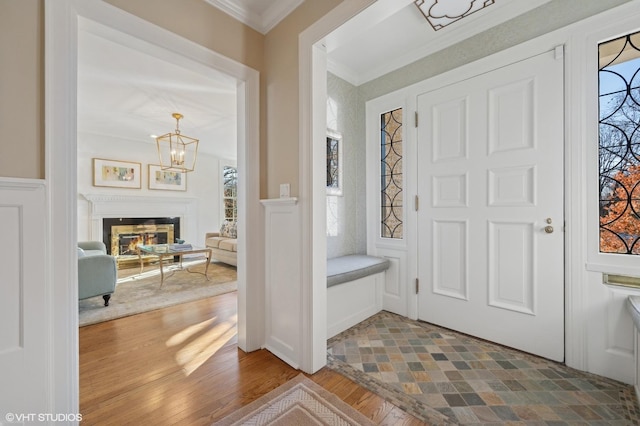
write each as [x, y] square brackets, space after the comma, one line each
[230, 193]
[619, 145]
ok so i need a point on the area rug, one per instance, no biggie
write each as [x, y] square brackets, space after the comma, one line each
[300, 401]
[141, 292]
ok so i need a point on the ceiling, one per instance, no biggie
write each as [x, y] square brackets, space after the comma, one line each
[128, 89]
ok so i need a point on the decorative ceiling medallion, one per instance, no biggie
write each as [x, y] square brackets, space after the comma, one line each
[441, 13]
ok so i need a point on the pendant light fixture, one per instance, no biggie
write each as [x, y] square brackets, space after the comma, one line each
[176, 151]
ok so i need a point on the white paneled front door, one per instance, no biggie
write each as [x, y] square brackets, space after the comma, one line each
[490, 177]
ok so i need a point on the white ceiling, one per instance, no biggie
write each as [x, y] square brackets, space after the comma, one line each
[390, 34]
[128, 89]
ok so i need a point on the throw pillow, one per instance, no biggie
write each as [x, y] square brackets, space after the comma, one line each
[229, 230]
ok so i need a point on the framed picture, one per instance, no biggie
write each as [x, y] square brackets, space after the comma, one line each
[117, 174]
[334, 163]
[166, 180]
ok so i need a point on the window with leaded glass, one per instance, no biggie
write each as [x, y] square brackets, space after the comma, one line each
[334, 163]
[619, 145]
[391, 195]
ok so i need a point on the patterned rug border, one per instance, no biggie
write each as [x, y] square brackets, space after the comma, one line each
[432, 415]
[92, 311]
[347, 413]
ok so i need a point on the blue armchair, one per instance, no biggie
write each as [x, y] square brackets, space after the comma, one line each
[97, 271]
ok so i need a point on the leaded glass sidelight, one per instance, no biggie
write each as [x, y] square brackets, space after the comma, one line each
[619, 145]
[391, 174]
[334, 163]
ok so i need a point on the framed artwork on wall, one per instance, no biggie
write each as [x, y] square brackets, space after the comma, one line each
[116, 174]
[334, 163]
[166, 180]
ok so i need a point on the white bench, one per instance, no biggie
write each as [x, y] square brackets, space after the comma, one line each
[354, 290]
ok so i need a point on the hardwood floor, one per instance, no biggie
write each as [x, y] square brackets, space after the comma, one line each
[181, 365]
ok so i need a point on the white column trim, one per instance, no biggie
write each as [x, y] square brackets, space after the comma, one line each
[313, 92]
[61, 45]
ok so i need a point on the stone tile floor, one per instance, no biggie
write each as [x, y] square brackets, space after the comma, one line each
[444, 377]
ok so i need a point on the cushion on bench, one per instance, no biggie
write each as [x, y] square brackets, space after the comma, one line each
[349, 268]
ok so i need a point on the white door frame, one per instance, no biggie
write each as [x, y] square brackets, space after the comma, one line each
[313, 127]
[312, 72]
[61, 48]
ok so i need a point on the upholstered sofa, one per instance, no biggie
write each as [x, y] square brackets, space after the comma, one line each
[97, 271]
[224, 244]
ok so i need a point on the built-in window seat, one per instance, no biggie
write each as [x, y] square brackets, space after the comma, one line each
[354, 290]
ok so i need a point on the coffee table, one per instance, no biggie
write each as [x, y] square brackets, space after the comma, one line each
[164, 250]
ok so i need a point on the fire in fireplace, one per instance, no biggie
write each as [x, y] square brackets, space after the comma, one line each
[122, 236]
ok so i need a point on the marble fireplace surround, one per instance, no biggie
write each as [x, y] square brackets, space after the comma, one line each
[116, 206]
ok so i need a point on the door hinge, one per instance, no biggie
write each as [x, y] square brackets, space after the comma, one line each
[416, 120]
[417, 286]
[417, 202]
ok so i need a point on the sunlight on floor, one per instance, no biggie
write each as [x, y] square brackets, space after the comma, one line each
[201, 341]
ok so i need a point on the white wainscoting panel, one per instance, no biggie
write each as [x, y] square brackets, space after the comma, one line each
[610, 343]
[24, 357]
[283, 292]
[396, 282]
[352, 302]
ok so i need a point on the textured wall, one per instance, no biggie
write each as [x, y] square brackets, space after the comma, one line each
[346, 218]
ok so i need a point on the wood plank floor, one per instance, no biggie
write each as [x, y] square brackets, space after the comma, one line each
[181, 365]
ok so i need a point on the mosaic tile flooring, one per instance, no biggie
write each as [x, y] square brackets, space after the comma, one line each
[444, 377]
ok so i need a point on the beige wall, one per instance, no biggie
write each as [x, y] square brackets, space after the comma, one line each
[282, 95]
[203, 24]
[275, 56]
[22, 88]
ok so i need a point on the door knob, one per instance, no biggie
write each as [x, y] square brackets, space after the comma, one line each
[548, 229]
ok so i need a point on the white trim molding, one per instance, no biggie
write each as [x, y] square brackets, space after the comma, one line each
[26, 348]
[283, 330]
[262, 21]
[61, 46]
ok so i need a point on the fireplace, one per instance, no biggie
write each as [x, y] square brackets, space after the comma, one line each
[123, 235]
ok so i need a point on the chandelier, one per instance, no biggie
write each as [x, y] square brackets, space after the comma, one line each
[176, 151]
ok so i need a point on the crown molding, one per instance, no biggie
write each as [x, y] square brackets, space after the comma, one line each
[262, 22]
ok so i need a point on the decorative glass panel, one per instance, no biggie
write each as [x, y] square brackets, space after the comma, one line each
[619, 145]
[334, 163]
[391, 174]
[230, 193]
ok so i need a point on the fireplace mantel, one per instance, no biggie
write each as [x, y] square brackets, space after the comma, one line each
[110, 206]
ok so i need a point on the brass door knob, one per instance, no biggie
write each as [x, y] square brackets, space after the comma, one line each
[548, 229]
